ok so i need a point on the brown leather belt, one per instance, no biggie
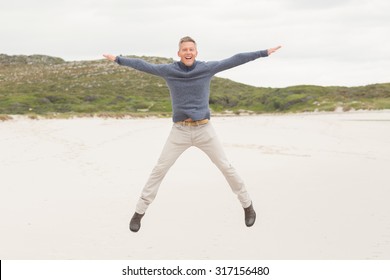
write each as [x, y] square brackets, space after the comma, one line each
[193, 123]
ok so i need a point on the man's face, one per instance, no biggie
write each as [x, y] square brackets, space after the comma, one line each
[187, 53]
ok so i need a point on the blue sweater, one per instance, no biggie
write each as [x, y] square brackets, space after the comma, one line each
[190, 86]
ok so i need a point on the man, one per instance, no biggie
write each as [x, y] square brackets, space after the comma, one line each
[188, 81]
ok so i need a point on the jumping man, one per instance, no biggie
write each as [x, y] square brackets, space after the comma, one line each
[188, 81]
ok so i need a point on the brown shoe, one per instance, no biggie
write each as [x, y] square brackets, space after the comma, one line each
[250, 215]
[135, 222]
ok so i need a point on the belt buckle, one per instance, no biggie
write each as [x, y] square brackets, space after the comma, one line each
[184, 123]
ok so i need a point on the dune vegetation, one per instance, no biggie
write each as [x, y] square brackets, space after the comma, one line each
[41, 85]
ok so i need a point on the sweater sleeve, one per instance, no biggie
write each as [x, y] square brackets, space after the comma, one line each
[235, 60]
[141, 65]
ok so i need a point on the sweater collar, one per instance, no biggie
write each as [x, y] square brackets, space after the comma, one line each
[187, 68]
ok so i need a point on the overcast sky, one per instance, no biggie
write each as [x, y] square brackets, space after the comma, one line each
[325, 42]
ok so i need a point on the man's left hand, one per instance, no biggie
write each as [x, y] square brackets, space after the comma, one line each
[272, 50]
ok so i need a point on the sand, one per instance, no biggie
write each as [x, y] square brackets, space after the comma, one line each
[320, 184]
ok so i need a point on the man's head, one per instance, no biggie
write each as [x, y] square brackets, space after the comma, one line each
[187, 50]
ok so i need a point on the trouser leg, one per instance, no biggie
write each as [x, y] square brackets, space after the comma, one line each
[178, 141]
[208, 142]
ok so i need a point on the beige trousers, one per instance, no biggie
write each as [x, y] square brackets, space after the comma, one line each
[179, 140]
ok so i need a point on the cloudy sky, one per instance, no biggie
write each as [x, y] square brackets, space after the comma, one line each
[325, 42]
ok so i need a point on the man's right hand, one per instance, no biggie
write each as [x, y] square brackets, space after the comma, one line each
[110, 57]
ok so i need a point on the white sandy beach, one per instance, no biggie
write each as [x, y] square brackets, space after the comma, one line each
[320, 185]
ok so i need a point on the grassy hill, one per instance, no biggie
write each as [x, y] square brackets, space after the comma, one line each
[43, 85]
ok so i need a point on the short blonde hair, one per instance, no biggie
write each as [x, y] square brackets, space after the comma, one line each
[186, 39]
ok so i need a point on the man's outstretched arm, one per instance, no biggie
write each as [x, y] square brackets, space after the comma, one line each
[136, 63]
[239, 59]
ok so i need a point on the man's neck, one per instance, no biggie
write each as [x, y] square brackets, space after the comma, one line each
[187, 67]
